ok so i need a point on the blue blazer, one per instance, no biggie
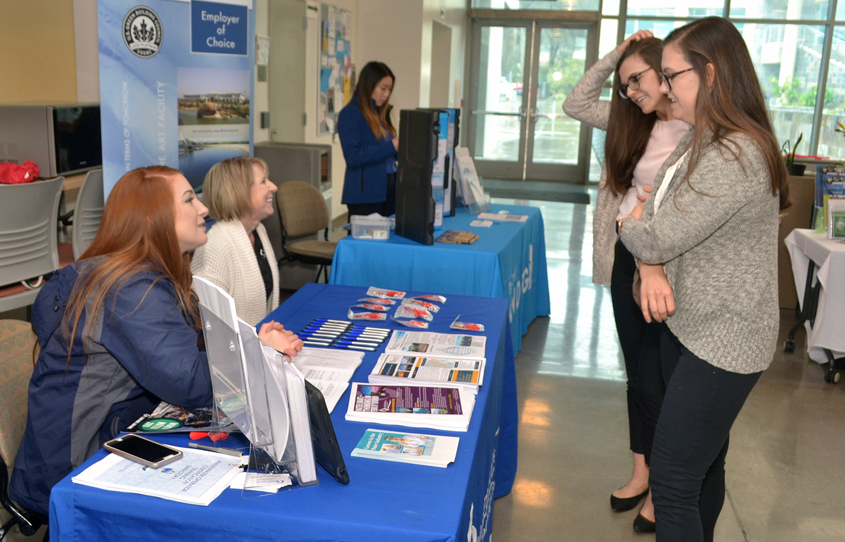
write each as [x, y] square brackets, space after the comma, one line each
[366, 157]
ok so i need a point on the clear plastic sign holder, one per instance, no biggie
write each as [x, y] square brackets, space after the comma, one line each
[243, 391]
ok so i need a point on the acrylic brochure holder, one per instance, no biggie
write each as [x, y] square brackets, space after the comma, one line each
[249, 388]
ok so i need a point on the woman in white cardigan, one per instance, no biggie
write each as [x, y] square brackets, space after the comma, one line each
[238, 256]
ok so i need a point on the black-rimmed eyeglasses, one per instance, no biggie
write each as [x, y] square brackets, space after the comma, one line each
[667, 77]
[633, 84]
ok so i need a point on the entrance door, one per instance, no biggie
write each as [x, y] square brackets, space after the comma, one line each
[521, 73]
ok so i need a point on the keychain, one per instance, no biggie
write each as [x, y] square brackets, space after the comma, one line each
[408, 311]
[378, 316]
[430, 307]
[373, 307]
[387, 294]
[431, 297]
[377, 301]
[416, 324]
[467, 326]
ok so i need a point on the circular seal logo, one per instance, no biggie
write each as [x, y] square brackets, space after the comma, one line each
[142, 31]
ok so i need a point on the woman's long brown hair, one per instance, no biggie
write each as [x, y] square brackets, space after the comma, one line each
[137, 233]
[734, 102]
[377, 117]
[629, 129]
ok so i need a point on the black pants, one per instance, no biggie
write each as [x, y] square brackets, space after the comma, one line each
[384, 208]
[691, 441]
[640, 343]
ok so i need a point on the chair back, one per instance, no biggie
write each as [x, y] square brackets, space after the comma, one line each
[302, 208]
[16, 362]
[88, 212]
[28, 229]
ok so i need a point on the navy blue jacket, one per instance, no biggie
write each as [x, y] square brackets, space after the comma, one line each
[140, 353]
[366, 157]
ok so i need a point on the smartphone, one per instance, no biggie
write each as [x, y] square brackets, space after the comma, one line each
[143, 450]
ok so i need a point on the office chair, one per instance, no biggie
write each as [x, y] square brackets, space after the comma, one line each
[303, 212]
[88, 212]
[28, 239]
[17, 343]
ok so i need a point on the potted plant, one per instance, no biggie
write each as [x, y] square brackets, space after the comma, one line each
[793, 168]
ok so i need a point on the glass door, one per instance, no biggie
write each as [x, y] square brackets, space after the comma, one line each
[521, 72]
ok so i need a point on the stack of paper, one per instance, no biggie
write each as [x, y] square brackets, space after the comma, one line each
[424, 343]
[329, 370]
[434, 451]
[197, 478]
[445, 408]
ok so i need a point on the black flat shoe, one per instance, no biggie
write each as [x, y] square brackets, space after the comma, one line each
[620, 504]
[643, 525]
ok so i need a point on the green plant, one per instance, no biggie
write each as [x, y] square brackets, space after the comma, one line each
[790, 156]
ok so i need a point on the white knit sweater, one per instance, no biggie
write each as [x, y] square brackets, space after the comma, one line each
[228, 260]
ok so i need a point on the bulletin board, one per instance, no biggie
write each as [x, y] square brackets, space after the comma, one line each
[337, 73]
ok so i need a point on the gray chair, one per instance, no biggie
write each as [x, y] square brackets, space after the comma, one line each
[28, 239]
[17, 351]
[88, 212]
[304, 212]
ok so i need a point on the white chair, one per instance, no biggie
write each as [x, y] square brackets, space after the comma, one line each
[28, 239]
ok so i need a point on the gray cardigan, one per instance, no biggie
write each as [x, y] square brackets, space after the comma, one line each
[718, 243]
[583, 104]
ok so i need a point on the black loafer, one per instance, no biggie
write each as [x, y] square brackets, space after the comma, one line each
[643, 525]
[620, 504]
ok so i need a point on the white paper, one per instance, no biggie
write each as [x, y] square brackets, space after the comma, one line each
[423, 343]
[497, 217]
[481, 223]
[197, 478]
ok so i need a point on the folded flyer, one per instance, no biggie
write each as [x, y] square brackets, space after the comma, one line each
[395, 369]
[437, 344]
[430, 450]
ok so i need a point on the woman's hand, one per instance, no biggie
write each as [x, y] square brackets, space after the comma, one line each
[636, 36]
[275, 334]
[656, 296]
[637, 211]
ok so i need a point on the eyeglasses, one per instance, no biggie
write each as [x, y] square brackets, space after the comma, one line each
[667, 77]
[633, 84]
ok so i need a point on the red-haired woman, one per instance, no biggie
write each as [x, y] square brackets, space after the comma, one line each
[118, 331]
[369, 144]
[641, 133]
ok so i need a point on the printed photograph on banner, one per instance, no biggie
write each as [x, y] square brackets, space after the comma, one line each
[213, 118]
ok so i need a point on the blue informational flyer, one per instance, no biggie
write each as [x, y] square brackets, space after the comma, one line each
[176, 84]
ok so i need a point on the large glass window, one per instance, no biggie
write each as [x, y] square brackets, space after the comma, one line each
[779, 9]
[831, 142]
[673, 8]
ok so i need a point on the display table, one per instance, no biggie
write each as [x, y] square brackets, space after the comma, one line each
[508, 260]
[383, 501]
[818, 265]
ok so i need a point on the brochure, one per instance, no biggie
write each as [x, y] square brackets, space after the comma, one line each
[434, 451]
[197, 478]
[411, 405]
[328, 370]
[436, 344]
[393, 369]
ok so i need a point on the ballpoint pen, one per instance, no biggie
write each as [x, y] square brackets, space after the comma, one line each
[227, 451]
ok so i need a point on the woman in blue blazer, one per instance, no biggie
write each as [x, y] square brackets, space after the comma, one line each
[369, 143]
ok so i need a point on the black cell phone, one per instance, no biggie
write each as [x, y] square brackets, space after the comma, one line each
[143, 450]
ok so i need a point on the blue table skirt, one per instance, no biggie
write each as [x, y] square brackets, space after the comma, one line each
[507, 261]
[384, 501]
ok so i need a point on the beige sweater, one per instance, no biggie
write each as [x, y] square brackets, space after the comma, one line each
[583, 104]
[228, 260]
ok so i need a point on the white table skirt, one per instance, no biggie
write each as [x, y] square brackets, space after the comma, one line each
[829, 257]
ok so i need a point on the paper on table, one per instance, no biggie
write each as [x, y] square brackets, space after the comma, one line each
[429, 344]
[262, 482]
[496, 217]
[197, 478]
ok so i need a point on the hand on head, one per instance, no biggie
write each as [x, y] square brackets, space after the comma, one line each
[275, 334]
[636, 36]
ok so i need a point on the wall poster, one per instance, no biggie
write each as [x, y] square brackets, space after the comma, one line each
[337, 73]
[175, 84]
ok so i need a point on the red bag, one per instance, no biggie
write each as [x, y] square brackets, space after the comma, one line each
[18, 174]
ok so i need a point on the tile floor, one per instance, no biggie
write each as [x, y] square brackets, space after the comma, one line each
[786, 478]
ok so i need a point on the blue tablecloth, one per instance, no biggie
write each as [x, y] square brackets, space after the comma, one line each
[508, 260]
[384, 500]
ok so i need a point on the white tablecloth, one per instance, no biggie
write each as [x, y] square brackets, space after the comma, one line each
[829, 256]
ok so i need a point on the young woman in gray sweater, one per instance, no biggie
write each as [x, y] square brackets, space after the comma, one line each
[712, 221]
[641, 133]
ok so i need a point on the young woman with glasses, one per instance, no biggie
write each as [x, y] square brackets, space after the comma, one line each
[641, 133]
[713, 223]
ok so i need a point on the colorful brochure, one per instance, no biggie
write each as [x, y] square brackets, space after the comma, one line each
[434, 451]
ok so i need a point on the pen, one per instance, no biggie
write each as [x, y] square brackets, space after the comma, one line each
[315, 343]
[227, 451]
[355, 347]
[357, 343]
[323, 334]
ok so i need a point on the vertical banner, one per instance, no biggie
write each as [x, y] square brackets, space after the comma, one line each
[336, 69]
[176, 84]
